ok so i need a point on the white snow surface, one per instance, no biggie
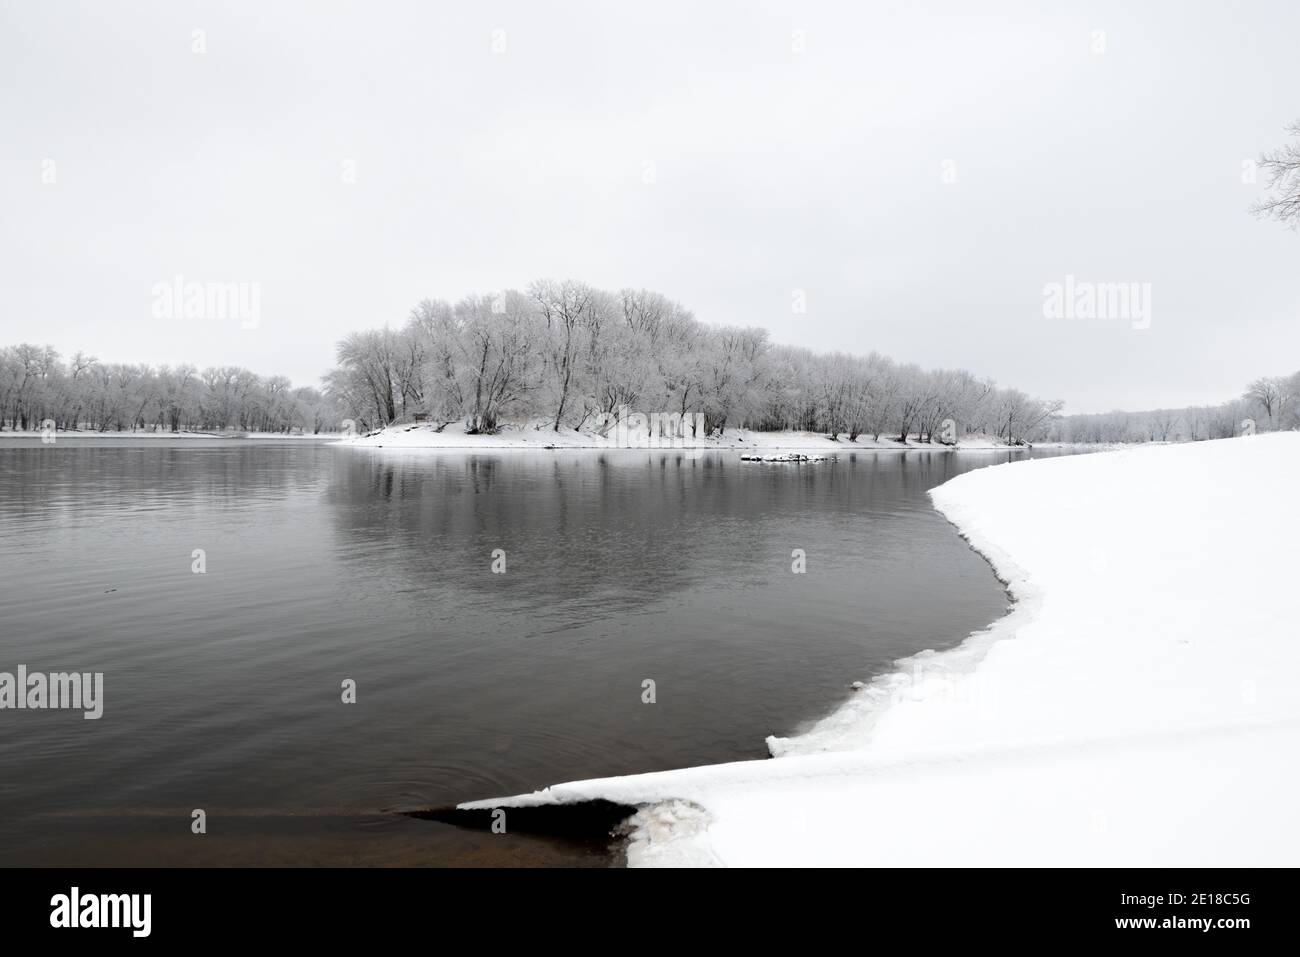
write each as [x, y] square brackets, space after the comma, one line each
[1137, 707]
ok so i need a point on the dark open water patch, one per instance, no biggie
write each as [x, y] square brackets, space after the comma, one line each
[323, 564]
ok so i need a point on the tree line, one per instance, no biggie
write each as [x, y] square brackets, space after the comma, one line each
[1269, 404]
[564, 355]
[38, 386]
[568, 355]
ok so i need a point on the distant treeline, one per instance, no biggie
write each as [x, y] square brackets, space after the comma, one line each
[571, 355]
[1269, 404]
[37, 386]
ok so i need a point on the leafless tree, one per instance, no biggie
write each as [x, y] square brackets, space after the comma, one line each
[1283, 169]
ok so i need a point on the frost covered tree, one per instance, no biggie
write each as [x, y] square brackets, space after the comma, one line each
[1283, 168]
[569, 355]
[83, 393]
[1272, 395]
[498, 356]
[565, 309]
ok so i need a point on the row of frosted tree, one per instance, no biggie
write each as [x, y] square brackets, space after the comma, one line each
[37, 386]
[565, 355]
[1269, 404]
[562, 354]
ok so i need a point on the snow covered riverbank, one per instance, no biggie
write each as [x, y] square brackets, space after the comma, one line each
[540, 435]
[1137, 707]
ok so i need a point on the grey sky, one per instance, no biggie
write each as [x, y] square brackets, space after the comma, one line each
[772, 171]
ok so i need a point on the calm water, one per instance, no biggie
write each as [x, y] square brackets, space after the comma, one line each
[222, 690]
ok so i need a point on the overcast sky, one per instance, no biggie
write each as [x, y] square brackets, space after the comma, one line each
[725, 154]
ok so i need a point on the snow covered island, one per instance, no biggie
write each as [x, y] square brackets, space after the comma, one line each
[538, 434]
[1136, 707]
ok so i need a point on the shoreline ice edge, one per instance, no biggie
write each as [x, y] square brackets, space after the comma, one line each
[1131, 774]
